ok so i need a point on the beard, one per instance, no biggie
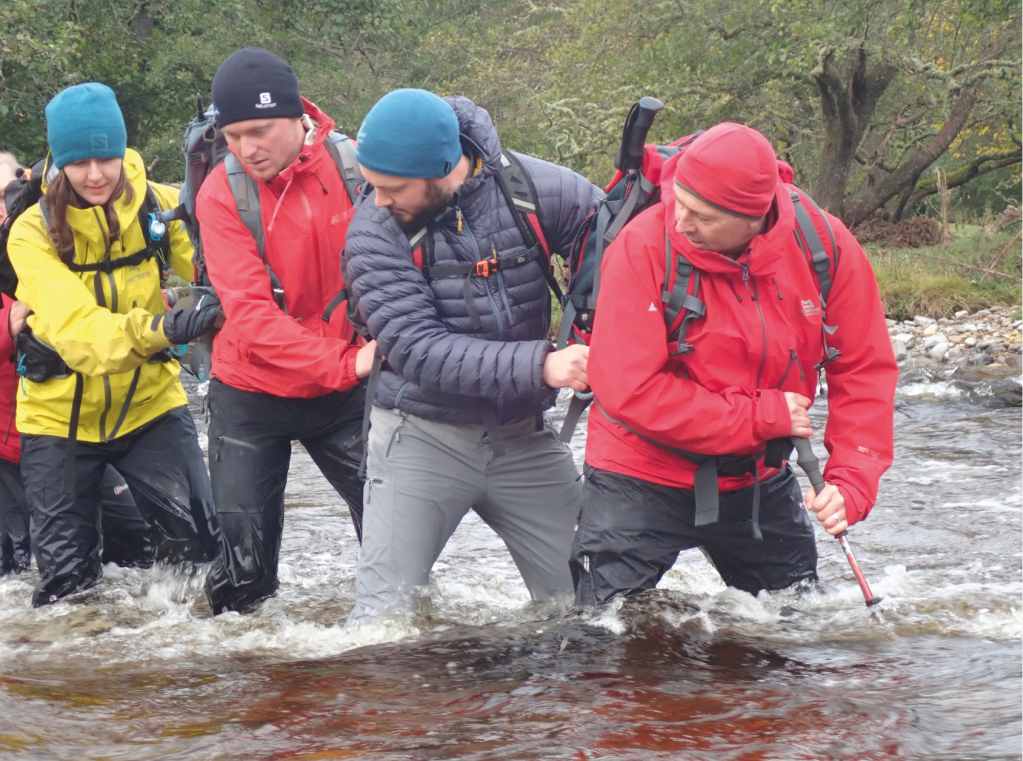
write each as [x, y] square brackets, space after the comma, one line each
[436, 201]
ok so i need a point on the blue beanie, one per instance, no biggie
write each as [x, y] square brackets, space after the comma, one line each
[409, 133]
[85, 122]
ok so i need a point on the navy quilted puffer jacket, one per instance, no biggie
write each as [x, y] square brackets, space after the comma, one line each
[442, 368]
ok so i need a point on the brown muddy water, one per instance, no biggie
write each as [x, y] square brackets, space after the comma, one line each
[134, 669]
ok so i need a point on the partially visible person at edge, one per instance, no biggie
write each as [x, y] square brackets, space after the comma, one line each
[278, 375]
[8, 172]
[457, 420]
[107, 389]
[749, 379]
[127, 538]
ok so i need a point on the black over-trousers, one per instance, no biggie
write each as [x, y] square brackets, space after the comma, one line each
[631, 532]
[161, 463]
[250, 451]
[126, 537]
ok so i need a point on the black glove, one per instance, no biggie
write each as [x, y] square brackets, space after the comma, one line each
[184, 325]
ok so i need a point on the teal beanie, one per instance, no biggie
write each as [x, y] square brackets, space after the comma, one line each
[85, 122]
[409, 133]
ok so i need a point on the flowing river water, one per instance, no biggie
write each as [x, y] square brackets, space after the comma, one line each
[135, 669]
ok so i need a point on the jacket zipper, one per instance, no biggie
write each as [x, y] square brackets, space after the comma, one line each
[763, 325]
[319, 252]
[401, 393]
[504, 292]
[793, 360]
[486, 285]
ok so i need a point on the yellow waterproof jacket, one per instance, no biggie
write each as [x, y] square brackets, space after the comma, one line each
[108, 345]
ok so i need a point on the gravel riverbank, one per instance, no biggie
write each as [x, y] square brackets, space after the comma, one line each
[985, 338]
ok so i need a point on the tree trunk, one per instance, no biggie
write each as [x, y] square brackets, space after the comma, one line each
[847, 104]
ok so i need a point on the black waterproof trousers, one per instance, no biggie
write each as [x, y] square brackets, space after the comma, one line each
[161, 463]
[631, 532]
[126, 537]
[250, 451]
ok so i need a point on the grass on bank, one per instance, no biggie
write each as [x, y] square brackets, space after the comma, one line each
[977, 269]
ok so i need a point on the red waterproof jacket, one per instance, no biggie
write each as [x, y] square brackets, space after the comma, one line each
[761, 337]
[10, 444]
[305, 211]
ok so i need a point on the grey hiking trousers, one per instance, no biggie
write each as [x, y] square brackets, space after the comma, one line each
[424, 476]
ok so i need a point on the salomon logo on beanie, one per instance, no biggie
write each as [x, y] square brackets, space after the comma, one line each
[255, 84]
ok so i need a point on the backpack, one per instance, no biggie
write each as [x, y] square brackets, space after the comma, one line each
[205, 147]
[20, 194]
[26, 190]
[635, 187]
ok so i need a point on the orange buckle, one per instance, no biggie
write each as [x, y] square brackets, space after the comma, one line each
[483, 268]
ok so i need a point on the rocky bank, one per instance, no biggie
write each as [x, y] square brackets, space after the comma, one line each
[987, 338]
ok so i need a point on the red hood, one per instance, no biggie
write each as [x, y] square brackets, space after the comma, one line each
[763, 251]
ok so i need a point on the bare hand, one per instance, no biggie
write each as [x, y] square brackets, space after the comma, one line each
[798, 405]
[830, 508]
[16, 318]
[364, 359]
[567, 368]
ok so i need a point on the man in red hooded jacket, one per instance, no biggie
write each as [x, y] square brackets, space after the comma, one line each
[740, 376]
[279, 374]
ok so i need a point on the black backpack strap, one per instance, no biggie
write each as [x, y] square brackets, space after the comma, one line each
[371, 387]
[518, 189]
[576, 407]
[820, 260]
[339, 146]
[678, 299]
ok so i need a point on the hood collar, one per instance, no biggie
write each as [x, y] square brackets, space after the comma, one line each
[478, 133]
[324, 124]
[761, 253]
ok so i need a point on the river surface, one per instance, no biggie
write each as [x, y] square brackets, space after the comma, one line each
[135, 669]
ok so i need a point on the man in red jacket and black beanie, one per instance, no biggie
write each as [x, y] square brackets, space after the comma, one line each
[738, 378]
[279, 373]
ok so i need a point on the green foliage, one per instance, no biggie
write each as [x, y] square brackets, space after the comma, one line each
[936, 281]
[556, 75]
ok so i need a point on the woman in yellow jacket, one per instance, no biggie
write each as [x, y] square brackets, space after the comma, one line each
[99, 385]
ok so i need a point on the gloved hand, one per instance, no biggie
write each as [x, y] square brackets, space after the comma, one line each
[184, 325]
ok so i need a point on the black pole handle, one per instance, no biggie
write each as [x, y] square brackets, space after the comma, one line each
[637, 126]
[809, 463]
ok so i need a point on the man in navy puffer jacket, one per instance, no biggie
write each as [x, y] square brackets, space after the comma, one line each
[457, 422]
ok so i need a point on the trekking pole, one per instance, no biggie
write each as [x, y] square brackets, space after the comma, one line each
[812, 467]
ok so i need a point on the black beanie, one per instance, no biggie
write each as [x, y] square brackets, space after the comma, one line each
[255, 84]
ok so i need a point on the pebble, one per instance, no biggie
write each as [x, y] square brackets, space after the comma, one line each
[986, 337]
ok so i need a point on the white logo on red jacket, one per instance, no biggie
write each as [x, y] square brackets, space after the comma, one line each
[809, 308]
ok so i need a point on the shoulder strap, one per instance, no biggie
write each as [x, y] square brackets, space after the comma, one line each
[246, 197]
[810, 242]
[519, 192]
[340, 148]
[677, 299]
[823, 263]
[150, 206]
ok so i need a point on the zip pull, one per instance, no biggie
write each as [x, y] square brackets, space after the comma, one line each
[795, 358]
[745, 282]
[458, 214]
